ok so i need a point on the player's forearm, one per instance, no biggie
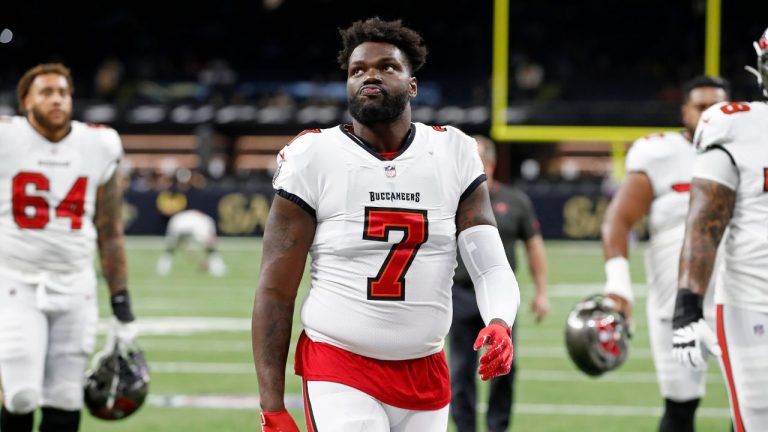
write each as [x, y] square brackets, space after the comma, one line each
[537, 263]
[113, 262]
[711, 209]
[615, 235]
[110, 239]
[271, 335]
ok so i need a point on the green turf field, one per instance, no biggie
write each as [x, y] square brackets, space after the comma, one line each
[196, 333]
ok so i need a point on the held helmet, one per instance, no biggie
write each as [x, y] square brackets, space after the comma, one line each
[596, 335]
[118, 382]
[761, 73]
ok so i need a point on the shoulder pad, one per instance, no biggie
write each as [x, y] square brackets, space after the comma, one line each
[302, 133]
[716, 122]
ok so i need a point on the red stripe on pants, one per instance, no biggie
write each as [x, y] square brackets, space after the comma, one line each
[738, 423]
[308, 417]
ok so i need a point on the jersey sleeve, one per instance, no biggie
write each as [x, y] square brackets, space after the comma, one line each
[529, 224]
[715, 164]
[714, 128]
[640, 157]
[296, 177]
[113, 153]
[471, 173]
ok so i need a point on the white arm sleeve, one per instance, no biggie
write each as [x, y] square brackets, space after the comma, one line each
[617, 278]
[716, 165]
[498, 295]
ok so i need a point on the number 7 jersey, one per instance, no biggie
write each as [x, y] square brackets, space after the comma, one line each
[385, 244]
[48, 196]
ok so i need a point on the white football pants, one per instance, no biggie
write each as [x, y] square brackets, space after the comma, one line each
[46, 339]
[743, 338]
[333, 407]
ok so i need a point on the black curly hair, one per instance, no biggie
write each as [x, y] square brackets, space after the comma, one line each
[392, 32]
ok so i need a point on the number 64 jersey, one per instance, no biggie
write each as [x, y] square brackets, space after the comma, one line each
[385, 244]
[47, 199]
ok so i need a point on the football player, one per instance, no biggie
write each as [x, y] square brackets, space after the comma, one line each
[199, 228]
[380, 206]
[730, 189]
[659, 169]
[59, 199]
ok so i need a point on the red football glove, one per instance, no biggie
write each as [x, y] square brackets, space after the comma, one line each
[278, 421]
[497, 359]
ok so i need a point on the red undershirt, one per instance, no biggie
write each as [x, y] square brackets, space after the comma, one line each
[418, 384]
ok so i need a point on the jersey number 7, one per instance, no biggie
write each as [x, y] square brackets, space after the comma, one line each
[389, 284]
[72, 206]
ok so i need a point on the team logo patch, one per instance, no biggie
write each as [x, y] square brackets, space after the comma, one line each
[390, 171]
[759, 330]
[501, 208]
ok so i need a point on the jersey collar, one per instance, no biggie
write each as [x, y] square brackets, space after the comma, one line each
[347, 130]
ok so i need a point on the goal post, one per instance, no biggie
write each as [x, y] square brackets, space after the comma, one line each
[502, 131]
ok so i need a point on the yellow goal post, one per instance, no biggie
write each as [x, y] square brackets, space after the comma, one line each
[618, 136]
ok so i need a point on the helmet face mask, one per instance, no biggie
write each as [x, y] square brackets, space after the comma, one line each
[118, 383]
[596, 336]
[761, 73]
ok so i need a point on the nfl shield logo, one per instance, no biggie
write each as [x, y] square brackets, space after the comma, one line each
[389, 171]
[759, 330]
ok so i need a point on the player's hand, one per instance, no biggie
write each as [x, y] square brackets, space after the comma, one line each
[277, 421]
[497, 360]
[690, 333]
[121, 334]
[540, 306]
[690, 342]
[622, 305]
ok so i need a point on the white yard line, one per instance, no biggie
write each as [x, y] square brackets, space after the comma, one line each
[222, 368]
[293, 401]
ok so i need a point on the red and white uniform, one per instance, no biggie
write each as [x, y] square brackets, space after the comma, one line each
[47, 198]
[384, 249]
[667, 159]
[48, 308]
[733, 139]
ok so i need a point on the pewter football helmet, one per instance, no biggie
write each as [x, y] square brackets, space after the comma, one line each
[596, 335]
[761, 72]
[118, 383]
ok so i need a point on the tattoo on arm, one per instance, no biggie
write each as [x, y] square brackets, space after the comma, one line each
[109, 227]
[710, 211]
[475, 210]
[287, 239]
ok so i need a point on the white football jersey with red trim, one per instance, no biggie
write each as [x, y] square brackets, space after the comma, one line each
[385, 244]
[667, 159]
[47, 198]
[741, 130]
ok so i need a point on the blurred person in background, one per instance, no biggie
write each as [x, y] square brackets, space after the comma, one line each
[516, 220]
[380, 205]
[659, 169]
[192, 227]
[59, 200]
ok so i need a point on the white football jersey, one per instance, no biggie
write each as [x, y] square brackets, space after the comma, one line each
[667, 159]
[385, 244]
[47, 198]
[741, 130]
[192, 223]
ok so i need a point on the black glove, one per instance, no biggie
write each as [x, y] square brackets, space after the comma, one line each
[688, 308]
[121, 306]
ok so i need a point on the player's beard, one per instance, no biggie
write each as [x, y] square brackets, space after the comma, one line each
[368, 112]
[51, 126]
